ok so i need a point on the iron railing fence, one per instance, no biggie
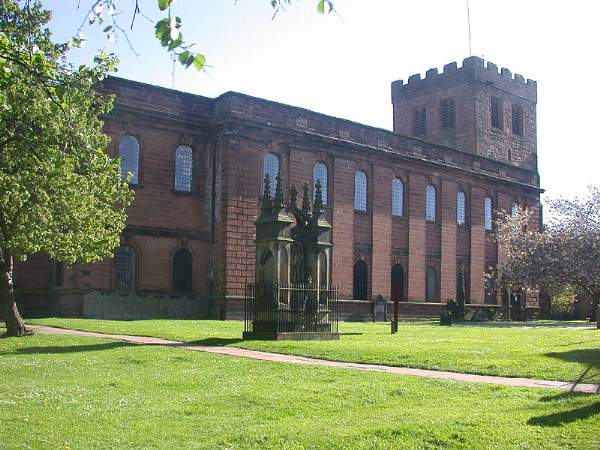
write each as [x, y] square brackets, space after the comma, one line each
[290, 308]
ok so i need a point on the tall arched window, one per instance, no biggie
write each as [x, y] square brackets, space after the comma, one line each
[320, 173]
[397, 282]
[360, 191]
[183, 169]
[181, 271]
[460, 208]
[397, 197]
[359, 281]
[129, 152]
[431, 285]
[514, 209]
[125, 269]
[487, 213]
[271, 168]
[430, 203]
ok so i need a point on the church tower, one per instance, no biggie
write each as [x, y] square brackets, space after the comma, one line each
[475, 108]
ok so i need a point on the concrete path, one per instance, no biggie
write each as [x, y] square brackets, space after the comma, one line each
[291, 359]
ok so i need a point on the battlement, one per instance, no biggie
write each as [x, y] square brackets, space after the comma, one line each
[473, 69]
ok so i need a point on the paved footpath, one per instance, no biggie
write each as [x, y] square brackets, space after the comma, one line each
[291, 359]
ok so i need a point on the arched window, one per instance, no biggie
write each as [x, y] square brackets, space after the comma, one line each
[397, 282]
[129, 152]
[360, 191]
[320, 173]
[125, 269]
[487, 213]
[430, 203]
[271, 168]
[181, 271]
[460, 208]
[397, 197]
[431, 285]
[183, 169]
[359, 282]
[514, 209]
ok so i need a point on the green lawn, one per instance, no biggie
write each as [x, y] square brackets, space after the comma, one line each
[547, 350]
[74, 392]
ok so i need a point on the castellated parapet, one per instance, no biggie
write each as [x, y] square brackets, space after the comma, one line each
[473, 69]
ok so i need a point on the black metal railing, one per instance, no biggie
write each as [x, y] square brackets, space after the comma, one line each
[290, 308]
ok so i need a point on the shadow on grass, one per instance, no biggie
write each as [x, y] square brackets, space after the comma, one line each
[55, 349]
[589, 356]
[557, 419]
[215, 342]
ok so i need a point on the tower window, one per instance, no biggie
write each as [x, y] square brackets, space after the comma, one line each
[360, 191]
[517, 120]
[448, 113]
[496, 113]
[420, 121]
[397, 197]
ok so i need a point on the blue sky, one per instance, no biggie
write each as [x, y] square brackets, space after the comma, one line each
[343, 64]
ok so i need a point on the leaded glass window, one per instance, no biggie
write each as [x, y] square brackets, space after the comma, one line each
[183, 169]
[360, 191]
[460, 208]
[430, 203]
[125, 269]
[320, 173]
[397, 197]
[129, 152]
[487, 213]
[271, 168]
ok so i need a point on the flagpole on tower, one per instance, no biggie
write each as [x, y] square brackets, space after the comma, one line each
[469, 24]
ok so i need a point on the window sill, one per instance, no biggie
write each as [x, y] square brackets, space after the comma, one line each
[359, 212]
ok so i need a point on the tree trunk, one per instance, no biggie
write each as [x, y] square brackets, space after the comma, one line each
[596, 300]
[8, 308]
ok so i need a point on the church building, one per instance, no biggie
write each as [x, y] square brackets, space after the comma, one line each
[412, 209]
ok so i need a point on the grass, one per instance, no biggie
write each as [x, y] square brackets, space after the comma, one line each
[544, 350]
[75, 392]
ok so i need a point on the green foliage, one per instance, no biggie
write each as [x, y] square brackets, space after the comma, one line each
[563, 301]
[168, 29]
[101, 394]
[59, 191]
[550, 350]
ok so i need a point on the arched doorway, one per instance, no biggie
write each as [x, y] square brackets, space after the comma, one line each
[359, 285]
[397, 283]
